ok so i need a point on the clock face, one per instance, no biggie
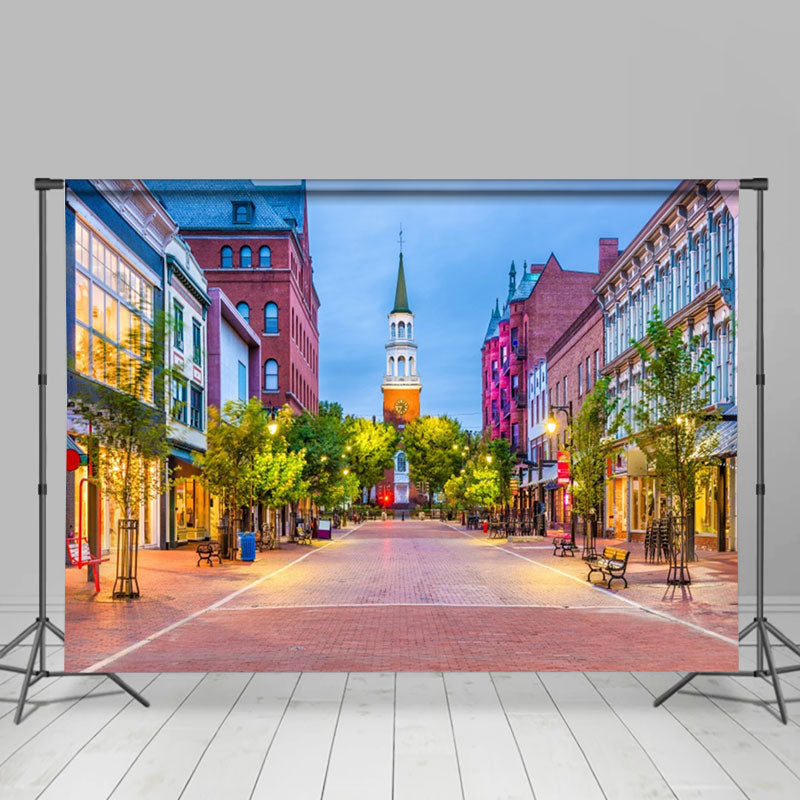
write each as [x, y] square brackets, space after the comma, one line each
[401, 406]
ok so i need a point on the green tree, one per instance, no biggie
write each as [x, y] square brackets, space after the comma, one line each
[433, 446]
[369, 450]
[672, 422]
[502, 462]
[591, 447]
[482, 485]
[455, 491]
[235, 438]
[323, 437]
[278, 475]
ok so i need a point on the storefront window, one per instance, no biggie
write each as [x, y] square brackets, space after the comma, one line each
[191, 509]
[641, 503]
[110, 301]
[706, 507]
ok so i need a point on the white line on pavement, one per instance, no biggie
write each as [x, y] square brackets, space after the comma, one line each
[213, 607]
[596, 588]
[423, 605]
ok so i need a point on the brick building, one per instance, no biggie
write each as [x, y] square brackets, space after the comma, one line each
[251, 240]
[537, 311]
[569, 371]
[684, 262]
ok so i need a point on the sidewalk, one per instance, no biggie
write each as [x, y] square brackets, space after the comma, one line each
[711, 600]
[172, 588]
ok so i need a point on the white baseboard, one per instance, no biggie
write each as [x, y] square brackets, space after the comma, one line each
[19, 612]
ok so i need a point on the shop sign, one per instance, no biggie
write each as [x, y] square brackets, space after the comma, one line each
[514, 486]
[563, 468]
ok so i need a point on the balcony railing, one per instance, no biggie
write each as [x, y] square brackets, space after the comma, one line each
[520, 399]
[521, 350]
[401, 379]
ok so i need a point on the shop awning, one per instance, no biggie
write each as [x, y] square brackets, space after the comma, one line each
[549, 473]
[727, 439]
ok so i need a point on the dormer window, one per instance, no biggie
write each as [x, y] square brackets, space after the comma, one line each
[242, 212]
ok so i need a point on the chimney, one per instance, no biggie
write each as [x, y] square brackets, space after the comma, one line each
[608, 254]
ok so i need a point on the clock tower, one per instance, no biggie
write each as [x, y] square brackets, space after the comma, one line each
[401, 382]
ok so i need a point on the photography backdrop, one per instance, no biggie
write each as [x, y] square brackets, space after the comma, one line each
[226, 268]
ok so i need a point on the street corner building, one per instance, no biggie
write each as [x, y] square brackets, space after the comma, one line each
[229, 264]
[560, 330]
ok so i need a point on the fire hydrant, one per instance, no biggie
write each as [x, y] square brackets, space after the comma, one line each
[486, 526]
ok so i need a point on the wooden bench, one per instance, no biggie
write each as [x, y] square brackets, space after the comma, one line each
[565, 545]
[206, 551]
[80, 556]
[611, 564]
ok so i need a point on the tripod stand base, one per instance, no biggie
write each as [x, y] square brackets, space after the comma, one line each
[32, 674]
[772, 673]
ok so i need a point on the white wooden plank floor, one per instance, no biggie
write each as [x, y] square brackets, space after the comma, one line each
[409, 736]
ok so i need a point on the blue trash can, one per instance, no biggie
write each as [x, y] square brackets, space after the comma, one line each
[247, 546]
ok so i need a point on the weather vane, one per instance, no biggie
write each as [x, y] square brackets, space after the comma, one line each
[400, 239]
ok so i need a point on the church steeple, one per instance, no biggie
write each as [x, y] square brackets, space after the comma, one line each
[400, 293]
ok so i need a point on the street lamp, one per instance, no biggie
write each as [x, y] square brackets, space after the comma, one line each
[272, 425]
[552, 426]
[345, 471]
[488, 459]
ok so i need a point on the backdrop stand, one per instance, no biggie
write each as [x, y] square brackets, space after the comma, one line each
[33, 673]
[760, 624]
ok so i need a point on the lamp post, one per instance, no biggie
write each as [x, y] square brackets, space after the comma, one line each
[552, 426]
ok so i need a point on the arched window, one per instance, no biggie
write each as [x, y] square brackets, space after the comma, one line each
[402, 465]
[394, 330]
[270, 318]
[408, 331]
[411, 366]
[391, 366]
[401, 330]
[401, 367]
[264, 257]
[226, 257]
[244, 310]
[271, 375]
[246, 257]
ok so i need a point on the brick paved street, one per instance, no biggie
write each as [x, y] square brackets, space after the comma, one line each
[403, 596]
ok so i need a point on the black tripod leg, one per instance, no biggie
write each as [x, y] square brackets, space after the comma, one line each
[747, 629]
[26, 681]
[776, 680]
[129, 689]
[17, 639]
[782, 637]
[676, 688]
[54, 629]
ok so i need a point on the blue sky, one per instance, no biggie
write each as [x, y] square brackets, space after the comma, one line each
[458, 247]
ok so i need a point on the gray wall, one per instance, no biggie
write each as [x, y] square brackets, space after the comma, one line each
[592, 90]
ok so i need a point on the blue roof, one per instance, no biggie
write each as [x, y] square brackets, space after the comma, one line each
[525, 287]
[207, 204]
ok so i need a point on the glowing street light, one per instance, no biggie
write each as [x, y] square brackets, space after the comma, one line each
[551, 426]
[345, 471]
[488, 459]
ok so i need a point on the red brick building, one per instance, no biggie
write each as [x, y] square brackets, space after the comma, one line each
[251, 241]
[538, 310]
[573, 365]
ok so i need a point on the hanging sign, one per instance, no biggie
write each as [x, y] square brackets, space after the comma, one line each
[563, 468]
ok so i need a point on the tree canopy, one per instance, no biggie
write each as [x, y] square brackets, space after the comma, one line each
[434, 449]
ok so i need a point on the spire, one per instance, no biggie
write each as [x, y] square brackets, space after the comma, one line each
[512, 281]
[400, 294]
[496, 311]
